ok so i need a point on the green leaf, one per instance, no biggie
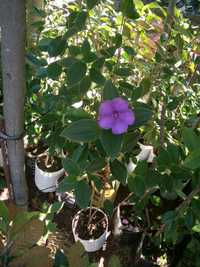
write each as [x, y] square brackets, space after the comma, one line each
[71, 167]
[89, 57]
[76, 72]
[130, 141]
[137, 185]
[143, 88]
[97, 77]
[93, 265]
[41, 73]
[60, 259]
[4, 227]
[117, 40]
[129, 50]
[193, 160]
[2, 184]
[80, 22]
[67, 62]
[98, 64]
[108, 52]
[190, 139]
[110, 91]
[108, 207]
[114, 262]
[67, 184]
[125, 72]
[82, 194]
[174, 102]
[168, 217]
[196, 228]
[97, 182]
[85, 130]
[20, 220]
[77, 256]
[56, 207]
[141, 168]
[173, 151]
[92, 3]
[57, 46]
[96, 165]
[76, 113]
[75, 51]
[35, 85]
[118, 171]
[85, 85]
[142, 115]
[4, 212]
[35, 61]
[164, 159]
[128, 9]
[54, 70]
[111, 143]
[86, 47]
[77, 153]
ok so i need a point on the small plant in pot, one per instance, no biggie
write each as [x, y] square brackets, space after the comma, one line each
[127, 226]
[90, 227]
[32, 153]
[48, 169]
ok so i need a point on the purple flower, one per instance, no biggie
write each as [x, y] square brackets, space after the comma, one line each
[116, 115]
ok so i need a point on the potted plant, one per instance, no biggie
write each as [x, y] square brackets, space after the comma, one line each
[32, 153]
[48, 170]
[127, 225]
[90, 227]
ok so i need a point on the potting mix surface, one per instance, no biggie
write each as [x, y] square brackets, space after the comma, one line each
[91, 224]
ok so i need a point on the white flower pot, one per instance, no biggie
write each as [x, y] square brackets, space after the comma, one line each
[92, 244]
[47, 181]
[146, 153]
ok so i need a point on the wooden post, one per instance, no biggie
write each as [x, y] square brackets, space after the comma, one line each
[13, 20]
[4, 151]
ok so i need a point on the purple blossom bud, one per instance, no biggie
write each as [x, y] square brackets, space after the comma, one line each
[115, 114]
[125, 221]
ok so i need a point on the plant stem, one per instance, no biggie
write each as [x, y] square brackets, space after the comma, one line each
[91, 217]
[182, 206]
[91, 202]
[162, 125]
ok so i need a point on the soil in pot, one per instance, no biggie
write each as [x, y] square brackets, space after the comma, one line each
[33, 151]
[91, 224]
[48, 165]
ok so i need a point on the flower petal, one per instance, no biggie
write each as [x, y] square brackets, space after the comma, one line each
[119, 104]
[106, 121]
[106, 108]
[119, 127]
[127, 116]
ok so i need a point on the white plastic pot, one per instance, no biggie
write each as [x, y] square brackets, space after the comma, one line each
[117, 222]
[92, 244]
[146, 153]
[118, 225]
[47, 181]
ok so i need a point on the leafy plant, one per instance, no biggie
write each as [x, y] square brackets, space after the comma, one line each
[147, 55]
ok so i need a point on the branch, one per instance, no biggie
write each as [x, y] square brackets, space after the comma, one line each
[182, 206]
[187, 201]
[162, 124]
